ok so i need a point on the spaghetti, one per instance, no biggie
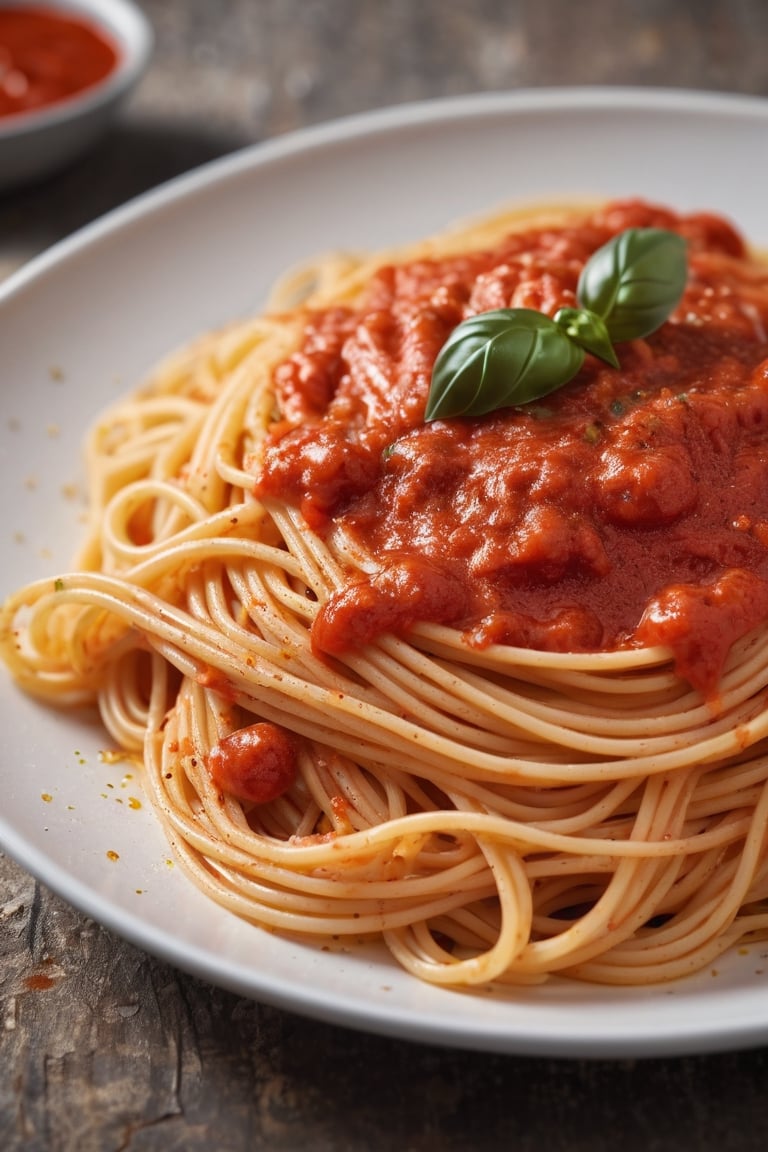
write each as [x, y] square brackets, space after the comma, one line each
[497, 784]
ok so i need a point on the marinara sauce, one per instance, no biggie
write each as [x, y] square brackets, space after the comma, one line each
[47, 56]
[630, 507]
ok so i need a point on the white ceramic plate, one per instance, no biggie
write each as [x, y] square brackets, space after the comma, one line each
[85, 321]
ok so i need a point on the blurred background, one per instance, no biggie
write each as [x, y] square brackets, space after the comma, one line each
[127, 1053]
[228, 73]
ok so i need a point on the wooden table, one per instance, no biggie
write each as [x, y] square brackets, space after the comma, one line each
[102, 1047]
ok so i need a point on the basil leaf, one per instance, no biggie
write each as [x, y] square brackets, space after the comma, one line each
[511, 356]
[499, 359]
[589, 331]
[634, 281]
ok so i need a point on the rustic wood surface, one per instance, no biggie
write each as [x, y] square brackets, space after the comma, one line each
[102, 1047]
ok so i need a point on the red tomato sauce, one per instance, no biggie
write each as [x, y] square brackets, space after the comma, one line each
[47, 56]
[630, 507]
[256, 764]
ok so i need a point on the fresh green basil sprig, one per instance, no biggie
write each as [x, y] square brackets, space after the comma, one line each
[511, 356]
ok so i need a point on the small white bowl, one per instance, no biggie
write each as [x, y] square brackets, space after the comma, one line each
[37, 143]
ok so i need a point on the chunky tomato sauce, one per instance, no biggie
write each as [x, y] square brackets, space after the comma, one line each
[629, 507]
[47, 56]
[257, 763]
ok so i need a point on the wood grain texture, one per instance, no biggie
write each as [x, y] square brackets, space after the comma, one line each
[103, 1048]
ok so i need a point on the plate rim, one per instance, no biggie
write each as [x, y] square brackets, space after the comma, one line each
[380, 120]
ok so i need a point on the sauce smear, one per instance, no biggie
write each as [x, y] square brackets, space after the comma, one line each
[47, 56]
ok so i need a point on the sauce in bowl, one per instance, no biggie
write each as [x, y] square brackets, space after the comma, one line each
[47, 56]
